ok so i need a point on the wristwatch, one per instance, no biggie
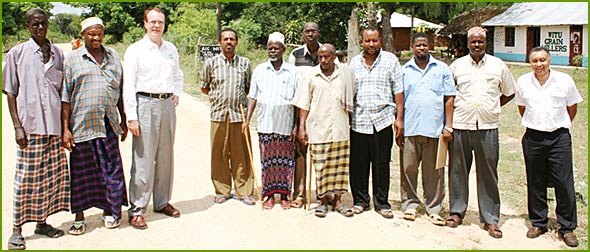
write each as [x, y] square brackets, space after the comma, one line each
[449, 129]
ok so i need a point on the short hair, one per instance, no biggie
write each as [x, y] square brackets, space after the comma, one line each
[371, 28]
[419, 35]
[145, 13]
[539, 49]
[227, 29]
[32, 12]
[331, 48]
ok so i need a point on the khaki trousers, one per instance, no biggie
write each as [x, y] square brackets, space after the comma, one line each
[230, 159]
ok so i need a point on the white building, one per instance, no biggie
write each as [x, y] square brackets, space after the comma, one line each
[561, 27]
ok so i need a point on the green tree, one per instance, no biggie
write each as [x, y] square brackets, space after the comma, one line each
[68, 24]
[13, 15]
[189, 24]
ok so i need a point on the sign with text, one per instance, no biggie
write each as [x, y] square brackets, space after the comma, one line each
[554, 42]
[208, 51]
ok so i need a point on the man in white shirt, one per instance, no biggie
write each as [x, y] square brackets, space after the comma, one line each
[153, 81]
[547, 101]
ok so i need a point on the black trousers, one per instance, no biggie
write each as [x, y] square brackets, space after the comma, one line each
[367, 149]
[548, 157]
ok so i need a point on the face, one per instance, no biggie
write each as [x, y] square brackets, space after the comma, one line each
[476, 44]
[326, 58]
[93, 36]
[228, 42]
[155, 24]
[371, 42]
[420, 48]
[540, 62]
[310, 33]
[275, 51]
[37, 26]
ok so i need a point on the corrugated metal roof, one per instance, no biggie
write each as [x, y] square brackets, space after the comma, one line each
[545, 13]
[404, 21]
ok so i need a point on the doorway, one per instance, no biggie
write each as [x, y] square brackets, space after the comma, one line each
[533, 39]
[575, 42]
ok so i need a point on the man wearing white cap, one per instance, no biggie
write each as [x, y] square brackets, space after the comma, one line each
[484, 84]
[153, 82]
[273, 86]
[91, 98]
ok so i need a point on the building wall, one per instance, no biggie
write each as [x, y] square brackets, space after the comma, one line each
[585, 45]
[401, 38]
[515, 53]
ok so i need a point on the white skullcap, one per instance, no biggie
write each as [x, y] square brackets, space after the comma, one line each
[476, 30]
[276, 37]
[90, 22]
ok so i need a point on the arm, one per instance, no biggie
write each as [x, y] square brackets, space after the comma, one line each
[399, 119]
[250, 111]
[572, 110]
[130, 92]
[505, 99]
[19, 132]
[303, 137]
[449, 110]
[67, 138]
[121, 108]
[293, 135]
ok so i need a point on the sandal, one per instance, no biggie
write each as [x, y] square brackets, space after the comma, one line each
[357, 209]
[321, 211]
[493, 230]
[16, 242]
[297, 203]
[345, 211]
[454, 220]
[221, 198]
[437, 220]
[285, 204]
[410, 214]
[269, 203]
[386, 213]
[77, 227]
[48, 230]
[110, 222]
[248, 200]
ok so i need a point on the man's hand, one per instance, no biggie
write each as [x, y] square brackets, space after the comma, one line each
[21, 137]
[303, 137]
[447, 136]
[133, 126]
[68, 140]
[293, 136]
[123, 125]
[399, 133]
[245, 127]
[175, 100]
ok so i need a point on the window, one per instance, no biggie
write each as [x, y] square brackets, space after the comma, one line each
[509, 36]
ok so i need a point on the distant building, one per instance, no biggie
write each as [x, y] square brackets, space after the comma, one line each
[401, 28]
[561, 27]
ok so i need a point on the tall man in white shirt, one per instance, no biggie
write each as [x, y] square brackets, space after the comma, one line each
[484, 84]
[153, 82]
[547, 101]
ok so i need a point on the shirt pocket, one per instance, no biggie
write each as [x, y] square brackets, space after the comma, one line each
[53, 77]
[435, 83]
[558, 98]
[492, 79]
[287, 90]
[463, 82]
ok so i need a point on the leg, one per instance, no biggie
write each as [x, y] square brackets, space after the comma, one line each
[460, 165]
[300, 170]
[412, 154]
[16, 240]
[560, 167]
[220, 170]
[359, 169]
[433, 180]
[240, 161]
[535, 160]
[164, 168]
[380, 158]
[486, 164]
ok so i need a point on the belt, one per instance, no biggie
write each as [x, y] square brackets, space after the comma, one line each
[162, 96]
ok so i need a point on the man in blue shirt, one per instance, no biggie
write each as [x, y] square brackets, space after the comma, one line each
[429, 92]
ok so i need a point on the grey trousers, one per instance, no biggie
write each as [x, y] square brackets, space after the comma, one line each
[421, 149]
[152, 167]
[485, 145]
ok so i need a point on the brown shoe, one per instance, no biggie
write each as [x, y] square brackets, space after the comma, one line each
[169, 210]
[137, 221]
[570, 239]
[454, 220]
[493, 230]
[535, 232]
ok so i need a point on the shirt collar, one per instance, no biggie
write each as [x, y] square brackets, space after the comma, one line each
[481, 62]
[269, 66]
[317, 71]
[431, 61]
[233, 59]
[151, 44]
[107, 53]
[306, 51]
[37, 47]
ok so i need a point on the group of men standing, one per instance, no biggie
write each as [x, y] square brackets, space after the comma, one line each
[347, 115]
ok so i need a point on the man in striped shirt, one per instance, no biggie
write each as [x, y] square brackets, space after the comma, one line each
[226, 79]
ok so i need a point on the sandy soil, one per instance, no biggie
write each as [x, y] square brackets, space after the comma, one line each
[233, 225]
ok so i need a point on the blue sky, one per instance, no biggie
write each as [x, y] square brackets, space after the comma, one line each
[59, 7]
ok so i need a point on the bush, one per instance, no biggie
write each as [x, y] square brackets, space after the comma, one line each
[577, 60]
[190, 24]
[248, 30]
[134, 34]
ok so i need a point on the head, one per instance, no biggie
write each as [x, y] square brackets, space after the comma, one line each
[154, 22]
[476, 42]
[311, 32]
[327, 55]
[540, 59]
[371, 40]
[228, 40]
[37, 24]
[420, 46]
[92, 32]
[275, 46]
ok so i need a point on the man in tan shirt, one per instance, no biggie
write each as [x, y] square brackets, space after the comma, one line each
[484, 84]
[325, 99]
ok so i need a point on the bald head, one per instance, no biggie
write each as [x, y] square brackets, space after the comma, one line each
[328, 48]
[327, 55]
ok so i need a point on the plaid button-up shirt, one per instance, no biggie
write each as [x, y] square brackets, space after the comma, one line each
[93, 92]
[228, 82]
[374, 104]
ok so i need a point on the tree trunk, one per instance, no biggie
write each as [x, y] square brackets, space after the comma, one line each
[412, 26]
[218, 18]
[372, 14]
[353, 35]
[386, 27]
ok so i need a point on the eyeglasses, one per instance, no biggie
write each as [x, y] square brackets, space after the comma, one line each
[154, 22]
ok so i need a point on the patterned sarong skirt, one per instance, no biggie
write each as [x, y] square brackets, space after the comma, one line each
[42, 182]
[97, 175]
[277, 155]
[331, 161]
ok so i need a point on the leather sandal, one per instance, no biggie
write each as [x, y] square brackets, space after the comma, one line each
[285, 204]
[386, 213]
[169, 210]
[493, 230]
[269, 203]
[358, 209]
[454, 220]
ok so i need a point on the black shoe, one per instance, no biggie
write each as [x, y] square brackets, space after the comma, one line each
[535, 232]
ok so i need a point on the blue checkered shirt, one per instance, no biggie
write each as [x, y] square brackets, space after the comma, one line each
[374, 103]
[93, 92]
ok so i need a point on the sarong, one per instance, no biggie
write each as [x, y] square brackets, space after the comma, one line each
[42, 181]
[97, 175]
[331, 161]
[277, 155]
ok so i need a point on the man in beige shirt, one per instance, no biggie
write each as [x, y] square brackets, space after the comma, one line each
[325, 99]
[484, 84]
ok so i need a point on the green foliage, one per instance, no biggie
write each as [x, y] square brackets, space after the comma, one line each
[67, 24]
[13, 18]
[247, 29]
[134, 34]
[577, 60]
[191, 23]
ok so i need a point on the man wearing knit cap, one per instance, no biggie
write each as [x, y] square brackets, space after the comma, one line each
[153, 82]
[484, 84]
[91, 98]
[273, 86]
